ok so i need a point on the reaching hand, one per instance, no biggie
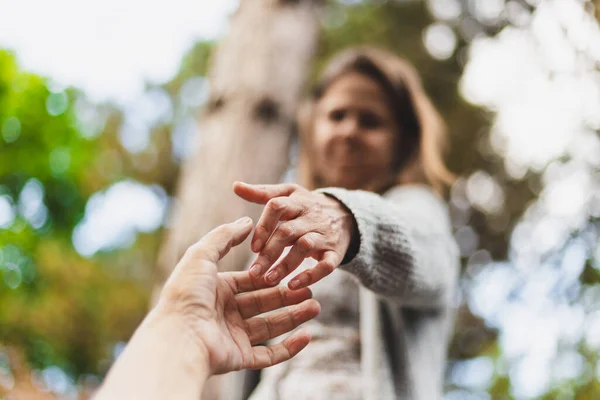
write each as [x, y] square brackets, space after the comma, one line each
[221, 310]
[315, 225]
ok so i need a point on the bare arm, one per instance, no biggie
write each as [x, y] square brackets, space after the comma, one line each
[159, 362]
[207, 323]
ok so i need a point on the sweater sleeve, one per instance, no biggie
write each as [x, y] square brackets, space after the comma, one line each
[407, 253]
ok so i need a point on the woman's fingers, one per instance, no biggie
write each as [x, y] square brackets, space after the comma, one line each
[277, 209]
[285, 235]
[267, 356]
[261, 194]
[302, 248]
[243, 281]
[262, 301]
[281, 208]
[261, 329]
[324, 267]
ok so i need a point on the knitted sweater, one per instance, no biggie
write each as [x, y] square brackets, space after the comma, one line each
[408, 258]
[407, 268]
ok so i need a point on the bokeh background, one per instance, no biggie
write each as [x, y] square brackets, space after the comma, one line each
[99, 105]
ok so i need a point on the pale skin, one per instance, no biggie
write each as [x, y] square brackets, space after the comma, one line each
[354, 136]
[208, 323]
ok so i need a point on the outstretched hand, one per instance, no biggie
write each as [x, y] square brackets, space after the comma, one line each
[221, 310]
[314, 224]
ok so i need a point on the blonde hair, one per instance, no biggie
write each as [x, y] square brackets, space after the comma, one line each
[419, 158]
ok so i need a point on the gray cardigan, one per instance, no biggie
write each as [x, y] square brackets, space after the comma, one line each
[408, 265]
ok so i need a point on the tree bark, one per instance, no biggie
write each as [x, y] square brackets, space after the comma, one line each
[256, 77]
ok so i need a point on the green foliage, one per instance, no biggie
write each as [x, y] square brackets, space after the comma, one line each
[60, 308]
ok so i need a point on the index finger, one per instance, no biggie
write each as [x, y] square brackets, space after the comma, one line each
[261, 194]
[277, 209]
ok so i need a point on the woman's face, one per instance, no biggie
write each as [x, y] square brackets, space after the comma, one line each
[355, 134]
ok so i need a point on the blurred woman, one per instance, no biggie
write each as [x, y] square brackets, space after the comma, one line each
[372, 176]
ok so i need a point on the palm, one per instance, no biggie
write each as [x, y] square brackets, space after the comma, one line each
[223, 309]
[224, 334]
[227, 308]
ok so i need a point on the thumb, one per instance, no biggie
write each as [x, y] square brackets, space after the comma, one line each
[217, 243]
[261, 194]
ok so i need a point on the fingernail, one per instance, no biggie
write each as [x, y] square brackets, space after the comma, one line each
[272, 276]
[256, 269]
[243, 220]
[297, 282]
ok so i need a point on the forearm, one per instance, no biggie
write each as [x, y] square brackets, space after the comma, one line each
[161, 361]
[406, 251]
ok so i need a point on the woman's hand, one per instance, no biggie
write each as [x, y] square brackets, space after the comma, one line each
[315, 225]
[220, 311]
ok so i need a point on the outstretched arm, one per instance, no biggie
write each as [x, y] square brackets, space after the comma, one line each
[406, 250]
[399, 246]
[208, 323]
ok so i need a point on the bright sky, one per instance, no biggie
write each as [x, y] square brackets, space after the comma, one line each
[110, 47]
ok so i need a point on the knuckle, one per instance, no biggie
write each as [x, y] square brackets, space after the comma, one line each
[309, 276]
[291, 315]
[286, 231]
[284, 266]
[283, 294]
[328, 266]
[269, 326]
[330, 238]
[260, 230]
[306, 244]
[271, 355]
[268, 256]
[259, 303]
[275, 205]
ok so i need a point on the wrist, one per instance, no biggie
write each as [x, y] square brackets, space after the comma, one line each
[175, 330]
[159, 362]
[349, 227]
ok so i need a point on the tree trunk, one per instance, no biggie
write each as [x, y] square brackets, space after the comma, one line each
[256, 77]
